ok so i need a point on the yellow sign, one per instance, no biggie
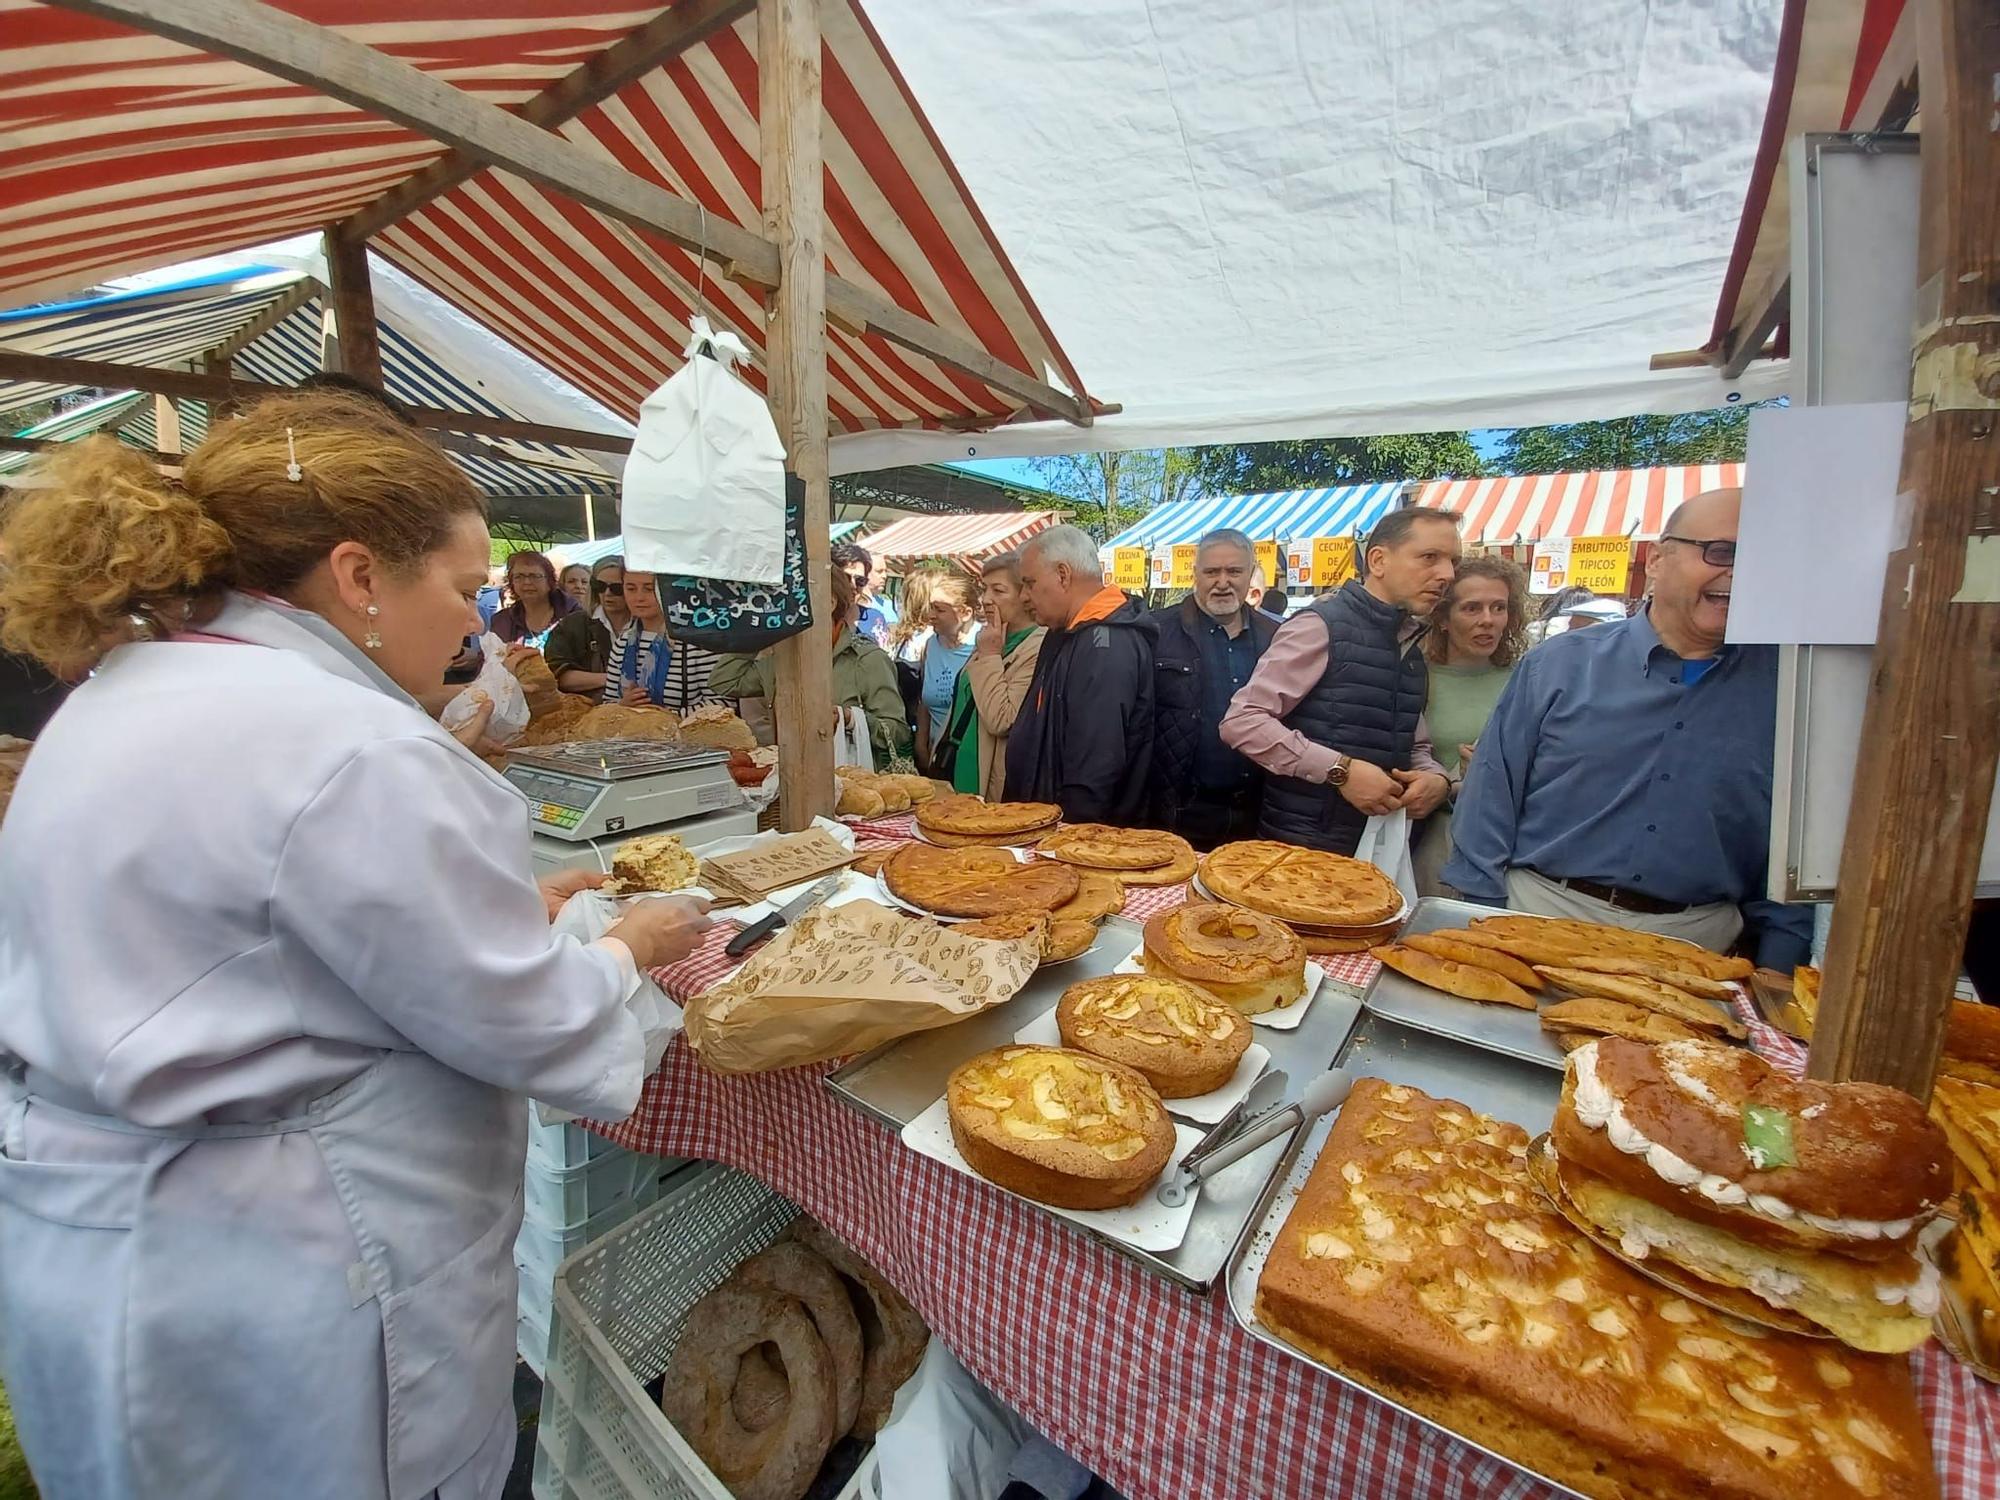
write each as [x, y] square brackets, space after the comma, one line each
[1182, 576]
[1267, 559]
[1602, 564]
[1333, 561]
[1128, 567]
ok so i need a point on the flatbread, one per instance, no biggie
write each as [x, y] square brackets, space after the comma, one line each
[1650, 994]
[1446, 945]
[1606, 942]
[1300, 885]
[1641, 968]
[1592, 1015]
[1099, 846]
[976, 882]
[962, 813]
[1466, 981]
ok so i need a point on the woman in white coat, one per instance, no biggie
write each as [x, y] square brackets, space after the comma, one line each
[274, 975]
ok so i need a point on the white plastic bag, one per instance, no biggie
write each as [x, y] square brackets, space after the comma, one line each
[851, 745]
[587, 916]
[510, 704]
[1385, 844]
[948, 1437]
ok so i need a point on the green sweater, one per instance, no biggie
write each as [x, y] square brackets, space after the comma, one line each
[1462, 700]
[863, 677]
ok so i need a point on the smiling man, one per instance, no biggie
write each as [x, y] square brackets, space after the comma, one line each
[1626, 775]
[1334, 712]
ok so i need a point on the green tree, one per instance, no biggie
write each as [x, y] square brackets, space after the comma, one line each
[1695, 437]
[1109, 491]
[1316, 463]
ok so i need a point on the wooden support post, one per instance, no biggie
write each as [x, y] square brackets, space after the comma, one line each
[218, 365]
[353, 299]
[1931, 734]
[788, 91]
[167, 425]
[589, 517]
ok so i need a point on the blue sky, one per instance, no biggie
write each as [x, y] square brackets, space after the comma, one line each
[1022, 470]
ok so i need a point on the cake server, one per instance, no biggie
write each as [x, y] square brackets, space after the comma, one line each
[1231, 1141]
[791, 911]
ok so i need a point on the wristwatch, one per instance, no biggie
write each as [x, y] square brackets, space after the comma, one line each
[1336, 774]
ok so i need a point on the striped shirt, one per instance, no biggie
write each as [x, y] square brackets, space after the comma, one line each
[688, 671]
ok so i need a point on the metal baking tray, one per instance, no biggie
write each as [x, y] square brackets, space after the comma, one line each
[1506, 1029]
[1505, 1088]
[901, 1079]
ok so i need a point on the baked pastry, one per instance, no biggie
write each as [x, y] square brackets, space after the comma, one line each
[1705, 1015]
[654, 862]
[1321, 944]
[985, 840]
[792, 1270]
[1186, 1043]
[1593, 1015]
[1171, 873]
[733, 1324]
[615, 721]
[856, 799]
[538, 683]
[892, 1334]
[1066, 938]
[1447, 945]
[1243, 958]
[1099, 893]
[1809, 1195]
[962, 813]
[1968, 1258]
[1573, 937]
[1972, 1043]
[1056, 940]
[870, 861]
[1060, 1127]
[1300, 885]
[1103, 847]
[1466, 981]
[717, 728]
[1969, 1116]
[976, 882]
[1418, 1259]
[1698, 985]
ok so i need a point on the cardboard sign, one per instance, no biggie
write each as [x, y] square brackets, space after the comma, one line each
[1128, 567]
[1267, 559]
[1299, 561]
[1602, 564]
[1333, 561]
[1182, 576]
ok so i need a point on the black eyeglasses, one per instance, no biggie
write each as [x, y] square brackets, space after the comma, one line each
[1719, 553]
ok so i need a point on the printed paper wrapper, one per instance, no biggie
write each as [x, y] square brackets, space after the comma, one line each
[773, 863]
[846, 978]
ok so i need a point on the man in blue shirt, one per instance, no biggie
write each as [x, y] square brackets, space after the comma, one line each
[1625, 777]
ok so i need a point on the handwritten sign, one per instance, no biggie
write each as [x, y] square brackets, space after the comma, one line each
[1182, 576]
[1333, 561]
[1602, 564]
[1128, 567]
[1267, 559]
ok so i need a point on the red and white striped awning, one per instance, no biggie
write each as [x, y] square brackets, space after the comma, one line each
[127, 152]
[1605, 502]
[1838, 67]
[965, 540]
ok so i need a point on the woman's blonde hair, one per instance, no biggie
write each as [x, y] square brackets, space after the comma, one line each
[1513, 638]
[98, 545]
[918, 587]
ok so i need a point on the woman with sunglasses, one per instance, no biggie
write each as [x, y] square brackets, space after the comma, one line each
[579, 648]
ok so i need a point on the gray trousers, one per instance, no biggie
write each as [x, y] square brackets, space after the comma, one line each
[1714, 926]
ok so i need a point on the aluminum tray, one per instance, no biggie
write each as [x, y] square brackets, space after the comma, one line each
[1501, 1087]
[1505, 1029]
[901, 1079]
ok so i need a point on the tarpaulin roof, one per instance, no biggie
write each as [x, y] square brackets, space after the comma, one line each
[1281, 516]
[76, 422]
[1604, 502]
[128, 151]
[963, 539]
[566, 554]
[1838, 66]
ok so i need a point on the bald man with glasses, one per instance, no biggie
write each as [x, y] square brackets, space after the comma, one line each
[1625, 776]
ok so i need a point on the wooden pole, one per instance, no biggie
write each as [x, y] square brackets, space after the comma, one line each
[354, 309]
[788, 90]
[589, 517]
[219, 366]
[167, 426]
[1931, 732]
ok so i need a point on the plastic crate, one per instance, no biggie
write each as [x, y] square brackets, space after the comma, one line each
[531, 1337]
[540, 1248]
[570, 1196]
[619, 1308]
[563, 1146]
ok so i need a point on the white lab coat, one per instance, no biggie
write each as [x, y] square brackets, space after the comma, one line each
[273, 974]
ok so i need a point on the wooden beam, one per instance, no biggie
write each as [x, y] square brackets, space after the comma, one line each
[353, 299]
[329, 63]
[167, 425]
[788, 110]
[1930, 736]
[55, 369]
[625, 61]
[301, 294]
[44, 445]
[218, 365]
[1746, 341]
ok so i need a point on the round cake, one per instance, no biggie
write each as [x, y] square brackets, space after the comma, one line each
[976, 882]
[1244, 958]
[1060, 1127]
[961, 813]
[1185, 1042]
[1301, 885]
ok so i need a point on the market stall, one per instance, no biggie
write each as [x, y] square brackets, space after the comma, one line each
[964, 541]
[1303, 538]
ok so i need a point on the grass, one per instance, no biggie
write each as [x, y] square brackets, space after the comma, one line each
[14, 1481]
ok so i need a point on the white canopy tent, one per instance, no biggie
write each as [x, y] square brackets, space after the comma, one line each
[1336, 217]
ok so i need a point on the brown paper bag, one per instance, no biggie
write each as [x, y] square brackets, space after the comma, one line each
[846, 978]
[774, 864]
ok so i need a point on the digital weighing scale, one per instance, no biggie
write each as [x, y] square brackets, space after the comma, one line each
[588, 797]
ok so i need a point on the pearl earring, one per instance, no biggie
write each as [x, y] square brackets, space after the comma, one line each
[373, 640]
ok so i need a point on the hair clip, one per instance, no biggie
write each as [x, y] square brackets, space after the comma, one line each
[292, 470]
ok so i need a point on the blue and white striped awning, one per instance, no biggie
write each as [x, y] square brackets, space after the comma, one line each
[76, 422]
[1281, 516]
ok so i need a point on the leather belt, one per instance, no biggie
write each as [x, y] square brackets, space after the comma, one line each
[1618, 897]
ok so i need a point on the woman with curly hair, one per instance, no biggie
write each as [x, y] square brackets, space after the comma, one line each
[1477, 634]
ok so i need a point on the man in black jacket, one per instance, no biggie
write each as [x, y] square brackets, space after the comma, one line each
[1209, 645]
[1084, 737]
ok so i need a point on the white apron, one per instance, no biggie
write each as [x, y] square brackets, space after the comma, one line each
[130, 1302]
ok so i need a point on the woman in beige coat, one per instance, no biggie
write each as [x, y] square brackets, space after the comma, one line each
[995, 681]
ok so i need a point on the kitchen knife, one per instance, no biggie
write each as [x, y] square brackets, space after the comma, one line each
[791, 911]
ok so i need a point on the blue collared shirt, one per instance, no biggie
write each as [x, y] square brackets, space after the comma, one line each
[1601, 763]
[1226, 664]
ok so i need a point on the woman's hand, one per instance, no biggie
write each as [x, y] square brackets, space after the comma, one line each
[663, 929]
[472, 733]
[635, 695]
[558, 888]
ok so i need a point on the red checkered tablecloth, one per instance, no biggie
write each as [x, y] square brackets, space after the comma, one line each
[1155, 1389]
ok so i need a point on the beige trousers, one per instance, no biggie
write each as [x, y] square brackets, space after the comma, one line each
[1714, 926]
